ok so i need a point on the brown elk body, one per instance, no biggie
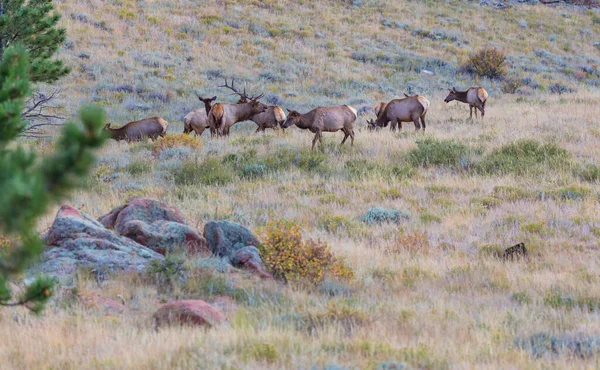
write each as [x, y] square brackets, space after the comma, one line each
[476, 97]
[197, 120]
[379, 107]
[324, 119]
[273, 117]
[410, 109]
[150, 128]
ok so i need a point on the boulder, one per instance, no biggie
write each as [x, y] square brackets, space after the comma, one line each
[248, 258]
[76, 239]
[224, 238]
[187, 313]
[154, 224]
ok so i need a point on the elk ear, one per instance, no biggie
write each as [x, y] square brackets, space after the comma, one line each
[213, 98]
[405, 95]
[453, 89]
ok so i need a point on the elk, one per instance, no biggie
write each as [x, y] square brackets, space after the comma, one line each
[324, 119]
[138, 130]
[197, 120]
[273, 117]
[224, 115]
[409, 109]
[379, 107]
[476, 97]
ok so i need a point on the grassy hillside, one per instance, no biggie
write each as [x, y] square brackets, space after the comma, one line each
[429, 292]
[148, 57]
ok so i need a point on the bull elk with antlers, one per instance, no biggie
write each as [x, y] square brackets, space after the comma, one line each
[224, 115]
[197, 120]
[324, 119]
[409, 109]
[476, 97]
[150, 128]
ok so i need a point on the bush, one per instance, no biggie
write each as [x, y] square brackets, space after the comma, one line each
[543, 344]
[524, 157]
[341, 313]
[176, 140]
[511, 85]
[209, 172]
[589, 172]
[411, 242]
[488, 62]
[294, 260]
[380, 215]
[166, 273]
[450, 153]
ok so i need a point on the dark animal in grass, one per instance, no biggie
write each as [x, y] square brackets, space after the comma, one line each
[150, 128]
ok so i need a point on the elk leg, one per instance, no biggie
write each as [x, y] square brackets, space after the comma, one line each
[417, 124]
[346, 134]
[393, 125]
[257, 130]
[315, 140]
[471, 111]
[352, 136]
[482, 110]
[475, 109]
[423, 122]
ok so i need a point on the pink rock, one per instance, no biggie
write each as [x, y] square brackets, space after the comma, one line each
[154, 224]
[188, 313]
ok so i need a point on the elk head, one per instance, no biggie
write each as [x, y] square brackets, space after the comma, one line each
[255, 105]
[451, 95]
[207, 100]
[292, 118]
[371, 125]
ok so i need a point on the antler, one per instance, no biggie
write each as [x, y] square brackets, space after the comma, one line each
[232, 87]
[242, 94]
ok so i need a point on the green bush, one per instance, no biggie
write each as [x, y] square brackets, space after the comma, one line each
[589, 172]
[434, 152]
[380, 215]
[211, 171]
[487, 62]
[524, 157]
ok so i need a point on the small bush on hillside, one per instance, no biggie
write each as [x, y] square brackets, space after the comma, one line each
[380, 215]
[167, 272]
[434, 152]
[208, 172]
[176, 140]
[487, 62]
[511, 85]
[543, 345]
[139, 168]
[589, 172]
[572, 192]
[524, 157]
[295, 260]
[338, 313]
[412, 242]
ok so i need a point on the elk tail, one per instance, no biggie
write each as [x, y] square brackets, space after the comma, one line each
[482, 94]
[353, 111]
[424, 102]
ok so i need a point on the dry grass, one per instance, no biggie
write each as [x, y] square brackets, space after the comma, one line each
[427, 291]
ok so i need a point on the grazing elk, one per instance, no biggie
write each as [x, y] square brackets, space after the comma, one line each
[224, 115]
[476, 97]
[273, 117]
[138, 130]
[379, 107]
[324, 119]
[197, 120]
[409, 109]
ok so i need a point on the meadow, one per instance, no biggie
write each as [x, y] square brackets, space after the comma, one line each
[430, 291]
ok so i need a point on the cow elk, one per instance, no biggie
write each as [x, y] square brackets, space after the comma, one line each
[409, 109]
[197, 120]
[476, 97]
[273, 117]
[224, 115]
[324, 119]
[150, 128]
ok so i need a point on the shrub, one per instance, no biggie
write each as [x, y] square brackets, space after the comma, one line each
[166, 273]
[261, 352]
[589, 172]
[380, 215]
[487, 62]
[511, 85]
[139, 168]
[524, 157]
[295, 260]
[411, 242]
[209, 172]
[450, 153]
[543, 344]
[176, 140]
[338, 312]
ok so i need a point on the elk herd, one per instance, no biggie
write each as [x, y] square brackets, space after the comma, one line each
[220, 117]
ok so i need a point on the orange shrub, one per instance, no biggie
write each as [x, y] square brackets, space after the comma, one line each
[292, 259]
[176, 140]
